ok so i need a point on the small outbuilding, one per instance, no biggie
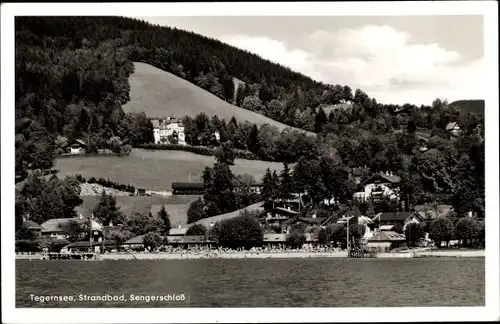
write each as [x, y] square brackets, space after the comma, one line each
[386, 240]
[78, 146]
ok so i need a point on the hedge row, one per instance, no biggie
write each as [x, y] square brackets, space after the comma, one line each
[72, 155]
[201, 150]
[106, 183]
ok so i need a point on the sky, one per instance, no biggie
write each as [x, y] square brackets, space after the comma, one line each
[395, 59]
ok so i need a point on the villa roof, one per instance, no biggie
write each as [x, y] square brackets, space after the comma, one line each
[313, 220]
[29, 224]
[135, 240]
[57, 224]
[79, 141]
[81, 244]
[391, 178]
[392, 216]
[156, 123]
[176, 231]
[451, 125]
[387, 236]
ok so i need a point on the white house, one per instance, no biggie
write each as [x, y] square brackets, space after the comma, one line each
[164, 128]
[453, 129]
[78, 146]
[378, 186]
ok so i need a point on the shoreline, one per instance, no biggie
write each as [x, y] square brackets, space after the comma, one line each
[274, 255]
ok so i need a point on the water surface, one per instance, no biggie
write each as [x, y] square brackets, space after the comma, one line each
[329, 282]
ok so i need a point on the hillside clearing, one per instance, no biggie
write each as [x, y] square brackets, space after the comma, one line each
[159, 94]
[155, 170]
[176, 206]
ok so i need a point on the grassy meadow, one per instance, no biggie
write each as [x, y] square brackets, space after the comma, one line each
[155, 170]
[176, 206]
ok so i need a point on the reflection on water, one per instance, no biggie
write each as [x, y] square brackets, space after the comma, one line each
[253, 282]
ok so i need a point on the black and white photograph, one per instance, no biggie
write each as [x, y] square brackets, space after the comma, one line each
[246, 162]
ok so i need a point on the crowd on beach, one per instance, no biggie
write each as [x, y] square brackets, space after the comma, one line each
[211, 252]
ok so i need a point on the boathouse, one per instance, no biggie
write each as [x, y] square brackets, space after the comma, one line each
[385, 240]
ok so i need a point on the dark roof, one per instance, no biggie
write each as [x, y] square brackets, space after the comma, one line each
[187, 185]
[286, 211]
[80, 244]
[187, 239]
[392, 216]
[79, 141]
[29, 224]
[257, 207]
[398, 110]
[387, 236]
[312, 220]
[382, 176]
[135, 240]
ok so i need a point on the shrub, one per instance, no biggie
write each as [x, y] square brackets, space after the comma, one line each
[201, 150]
[413, 233]
[467, 229]
[196, 211]
[295, 239]
[152, 241]
[441, 230]
[239, 232]
[197, 229]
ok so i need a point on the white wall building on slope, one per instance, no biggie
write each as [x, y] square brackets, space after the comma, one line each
[167, 129]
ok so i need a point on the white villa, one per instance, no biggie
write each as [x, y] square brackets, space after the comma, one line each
[170, 126]
[378, 186]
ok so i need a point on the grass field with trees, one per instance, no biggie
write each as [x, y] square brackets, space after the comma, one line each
[155, 170]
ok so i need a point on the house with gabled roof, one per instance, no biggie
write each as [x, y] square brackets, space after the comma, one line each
[453, 129]
[77, 146]
[386, 240]
[393, 218]
[378, 186]
[55, 228]
[32, 227]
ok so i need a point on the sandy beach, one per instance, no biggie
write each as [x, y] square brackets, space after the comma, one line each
[271, 255]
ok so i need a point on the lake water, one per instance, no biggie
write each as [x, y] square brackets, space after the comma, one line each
[329, 282]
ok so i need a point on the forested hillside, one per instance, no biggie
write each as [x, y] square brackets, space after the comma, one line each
[72, 79]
